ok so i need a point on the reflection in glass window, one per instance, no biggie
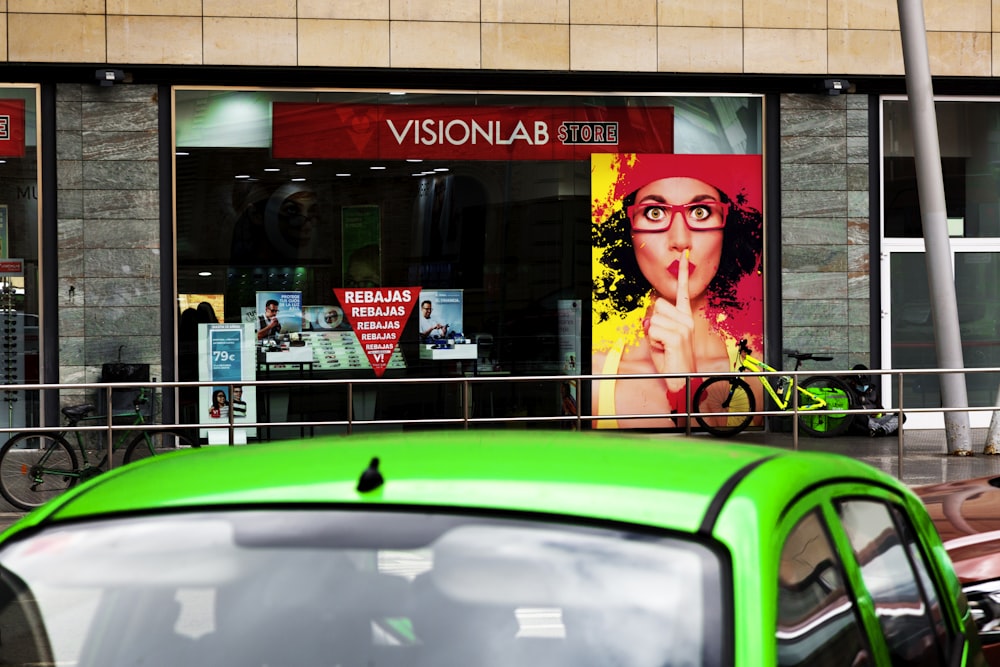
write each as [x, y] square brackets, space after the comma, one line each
[817, 618]
[905, 601]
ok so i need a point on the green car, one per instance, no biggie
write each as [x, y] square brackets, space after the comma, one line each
[471, 549]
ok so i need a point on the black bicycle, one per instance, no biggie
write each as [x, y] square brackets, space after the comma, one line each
[37, 466]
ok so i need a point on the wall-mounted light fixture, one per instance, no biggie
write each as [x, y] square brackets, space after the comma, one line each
[836, 86]
[109, 77]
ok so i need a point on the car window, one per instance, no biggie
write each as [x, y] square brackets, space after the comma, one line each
[818, 623]
[896, 576]
[354, 588]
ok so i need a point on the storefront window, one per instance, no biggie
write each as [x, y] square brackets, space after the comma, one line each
[19, 288]
[969, 138]
[470, 198]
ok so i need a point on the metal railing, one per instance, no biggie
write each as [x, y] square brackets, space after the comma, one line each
[463, 414]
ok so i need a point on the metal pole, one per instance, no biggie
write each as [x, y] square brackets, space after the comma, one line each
[933, 214]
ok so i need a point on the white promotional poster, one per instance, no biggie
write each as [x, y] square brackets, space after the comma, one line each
[227, 358]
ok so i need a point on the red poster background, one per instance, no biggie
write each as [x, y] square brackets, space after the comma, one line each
[399, 132]
[11, 128]
[377, 315]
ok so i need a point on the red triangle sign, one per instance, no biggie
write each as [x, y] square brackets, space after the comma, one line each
[377, 315]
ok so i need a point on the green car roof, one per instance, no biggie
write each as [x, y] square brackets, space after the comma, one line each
[668, 482]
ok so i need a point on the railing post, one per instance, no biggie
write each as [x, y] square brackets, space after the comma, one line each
[795, 411]
[111, 431]
[899, 429]
[350, 408]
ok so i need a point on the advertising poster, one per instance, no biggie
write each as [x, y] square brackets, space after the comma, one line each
[323, 318]
[216, 301]
[377, 316]
[677, 274]
[570, 323]
[361, 245]
[440, 315]
[227, 357]
[278, 313]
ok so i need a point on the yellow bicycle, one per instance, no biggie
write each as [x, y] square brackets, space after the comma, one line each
[823, 400]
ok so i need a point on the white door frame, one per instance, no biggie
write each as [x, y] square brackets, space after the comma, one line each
[921, 420]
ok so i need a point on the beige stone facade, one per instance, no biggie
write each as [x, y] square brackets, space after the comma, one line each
[835, 37]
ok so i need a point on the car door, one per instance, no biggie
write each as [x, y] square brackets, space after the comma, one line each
[856, 586]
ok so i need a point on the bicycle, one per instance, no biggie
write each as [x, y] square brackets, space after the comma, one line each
[36, 467]
[724, 395]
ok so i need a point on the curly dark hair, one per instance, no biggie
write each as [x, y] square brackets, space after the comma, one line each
[623, 286]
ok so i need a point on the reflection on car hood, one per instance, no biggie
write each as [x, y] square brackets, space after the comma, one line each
[967, 515]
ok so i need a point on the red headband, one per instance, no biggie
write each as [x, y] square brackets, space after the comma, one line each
[739, 177]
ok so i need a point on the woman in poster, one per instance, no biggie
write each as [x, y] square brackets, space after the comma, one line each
[677, 243]
[220, 406]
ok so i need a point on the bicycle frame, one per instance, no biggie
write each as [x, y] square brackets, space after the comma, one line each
[783, 397]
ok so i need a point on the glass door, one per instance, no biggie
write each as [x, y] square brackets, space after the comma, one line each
[908, 331]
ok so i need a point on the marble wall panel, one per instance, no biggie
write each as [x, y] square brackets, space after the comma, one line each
[125, 145]
[70, 236]
[69, 145]
[859, 285]
[133, 234]
[70, 204]
[859, 312]
[343, 43]
[158, 40]
[250, 8]
[857, 176]
[818, 340]
[857, 122]
[121, 175]
[250, 41]
[815, 204]
[120, 116]
[525, 11]
[696, 49]
[121, 204]
[376, 10]
[435, 44]
[812, 231]
[103, 339]
[814, 176]
[525, 46]
[829, 150]
[814, 258]
[590, 48]
[814, 102]
[813, 122]
[708, 13]
[81, 38]
[69, 174]
[156, 7]
[118, 292]
[819, 285]
[439, 10]
[612, 12]
[812, 312]
[123, 264]
[71, 328]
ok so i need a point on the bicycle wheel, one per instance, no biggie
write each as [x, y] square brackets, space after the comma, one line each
[36, 467]
[151, 443]
[838, 396]
[723, 395]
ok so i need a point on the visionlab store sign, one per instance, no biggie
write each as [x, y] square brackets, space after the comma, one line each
[403, 131]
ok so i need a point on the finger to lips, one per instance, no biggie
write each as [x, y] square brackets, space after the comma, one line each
[683, 297]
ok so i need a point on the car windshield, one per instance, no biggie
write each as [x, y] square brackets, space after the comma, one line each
[321, 587]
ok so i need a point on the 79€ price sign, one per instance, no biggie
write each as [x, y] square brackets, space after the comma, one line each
[377, 316]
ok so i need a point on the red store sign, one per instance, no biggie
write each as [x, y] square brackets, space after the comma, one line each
[399, 132]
